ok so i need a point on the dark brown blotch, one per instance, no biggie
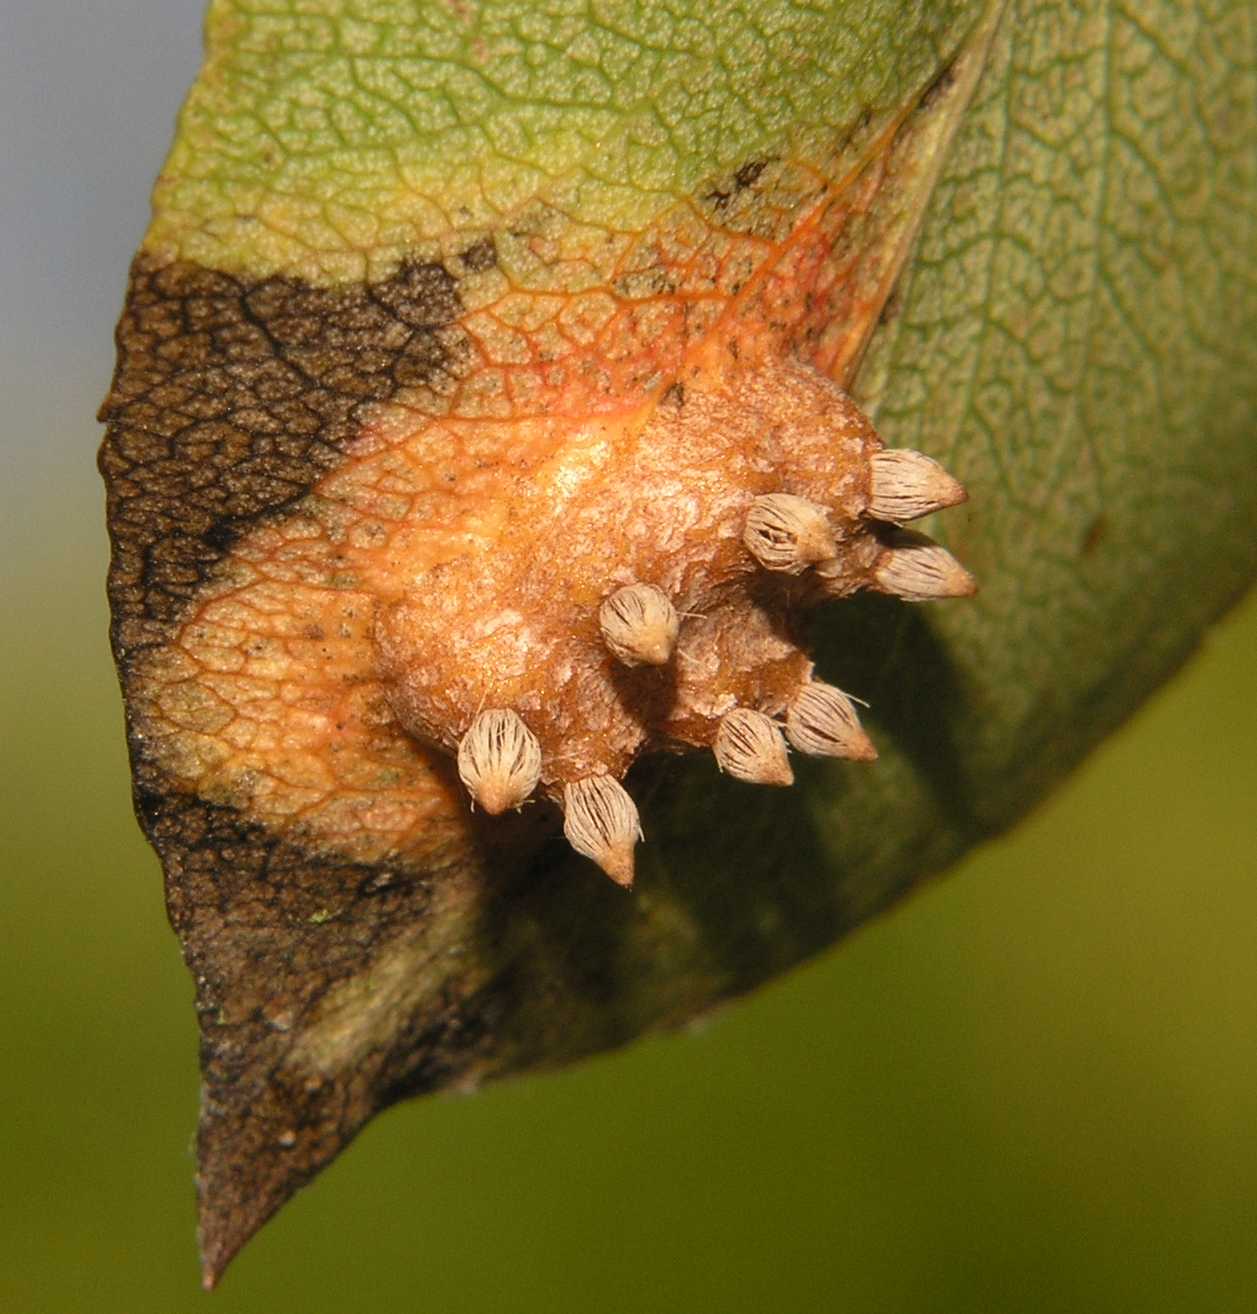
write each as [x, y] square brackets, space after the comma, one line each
[232, 398]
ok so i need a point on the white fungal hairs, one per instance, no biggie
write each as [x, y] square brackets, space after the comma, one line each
[905, 485]
[822, 720]
[917, 569]
[750, 746]
[639, 625]
[499, 760]
[787, 533]
[601, 822]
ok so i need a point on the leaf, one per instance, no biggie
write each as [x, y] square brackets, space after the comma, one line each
[399, 253]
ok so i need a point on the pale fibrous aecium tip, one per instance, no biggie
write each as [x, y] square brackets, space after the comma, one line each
[499, 760]
[639, 625]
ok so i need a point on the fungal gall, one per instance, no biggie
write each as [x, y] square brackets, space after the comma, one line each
[763, 493]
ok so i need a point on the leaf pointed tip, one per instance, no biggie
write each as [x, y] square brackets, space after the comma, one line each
[215, 1257]
[223, 1234]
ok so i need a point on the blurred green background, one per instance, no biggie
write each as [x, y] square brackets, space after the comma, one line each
[1031, 1088]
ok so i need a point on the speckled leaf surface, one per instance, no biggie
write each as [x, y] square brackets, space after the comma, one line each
[1022, 236]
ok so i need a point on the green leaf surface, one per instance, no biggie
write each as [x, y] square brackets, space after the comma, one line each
[1076, 337]
[1072, 331]
[331, 138]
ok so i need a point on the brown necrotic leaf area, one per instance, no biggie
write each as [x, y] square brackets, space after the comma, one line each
[334, 513]
[230, 401]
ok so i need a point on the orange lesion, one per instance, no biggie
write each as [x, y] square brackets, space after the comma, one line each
[270, 696]
[515, 625]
